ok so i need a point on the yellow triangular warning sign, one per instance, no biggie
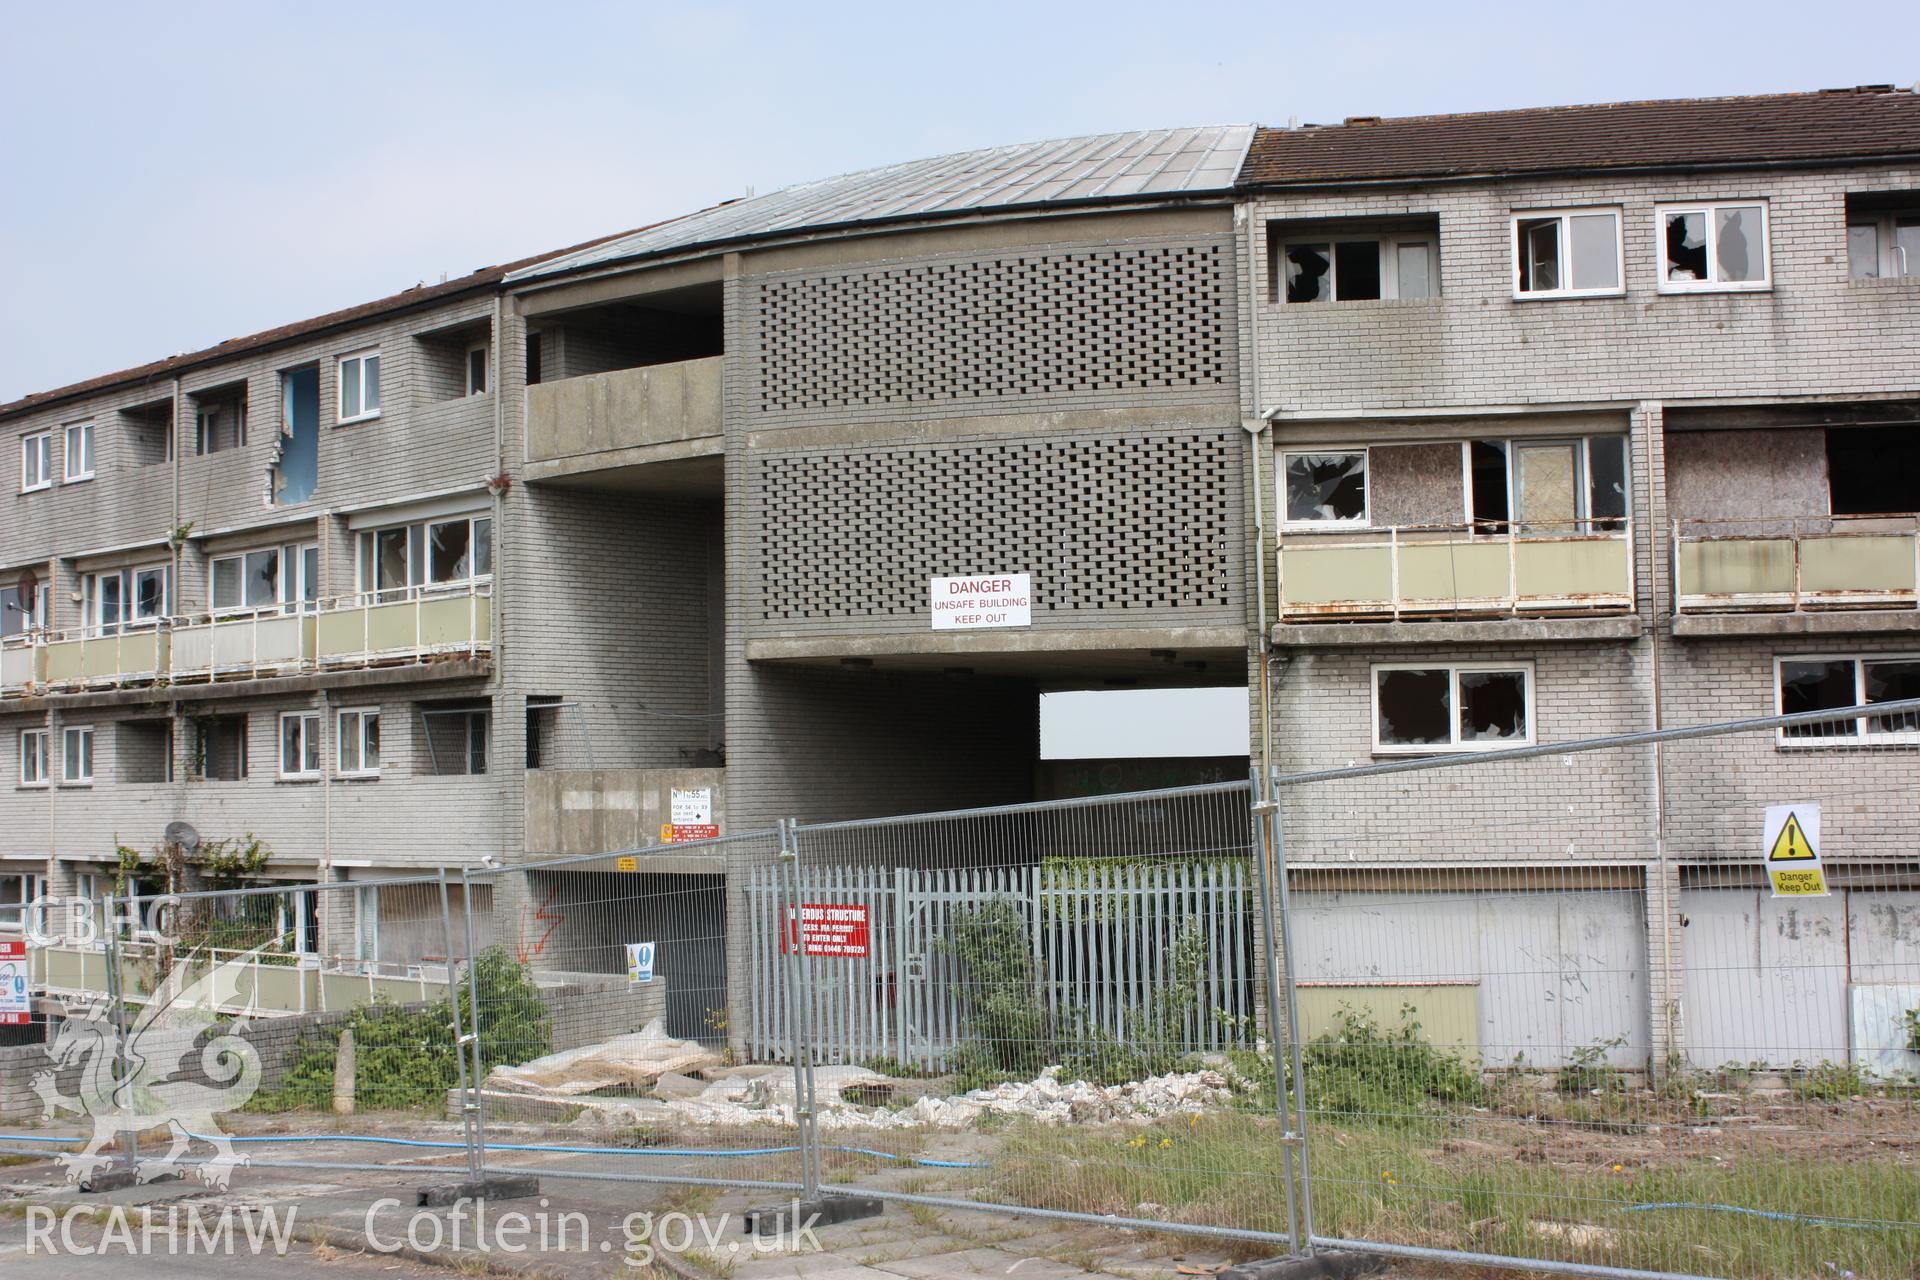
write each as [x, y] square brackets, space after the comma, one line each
[1791, 844]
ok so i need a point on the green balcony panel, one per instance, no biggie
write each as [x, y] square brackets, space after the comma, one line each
[1311, 576]
[64, 661]
[1737, 567]
[451, 621]
[1866, 565]
[1444, 572]
[1562, 569]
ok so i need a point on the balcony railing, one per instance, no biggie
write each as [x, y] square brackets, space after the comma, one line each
[1794, 564]
[367, 629]
[1441, 570]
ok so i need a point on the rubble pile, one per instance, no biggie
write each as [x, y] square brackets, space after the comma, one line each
[746, 1096]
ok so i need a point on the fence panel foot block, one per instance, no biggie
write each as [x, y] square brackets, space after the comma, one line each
[824, 1212]
[499, 1187]
[1335, 1265]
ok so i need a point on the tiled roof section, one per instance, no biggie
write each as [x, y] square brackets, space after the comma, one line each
[405, 300]
[1835, 125]
[1110, 166]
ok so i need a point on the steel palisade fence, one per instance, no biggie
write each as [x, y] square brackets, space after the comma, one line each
[1527, 1007]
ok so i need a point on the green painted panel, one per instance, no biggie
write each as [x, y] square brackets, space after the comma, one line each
[448, 621]
[1449, 1016]
[341, 631]
[1441, 571]
[1555, 569]
[64, 659]
[1748, 566]
[390, 626]
[1312, 575]
[1857, 564]
[279, 987]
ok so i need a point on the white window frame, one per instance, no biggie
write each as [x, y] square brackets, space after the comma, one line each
[363, 717]
[293, 593]
[36, 476]
[93, 599]
[1888, 255]
[416, 537]
[309, 722]
[33, 748]
[486, 369]
[1860, 736]
[82, 734]
[1519, 216]
[1456, 743]
[1583, 480]
[1389, 242]
[1365, 520]
[361, 412]
[84, 432]
[1710, 285]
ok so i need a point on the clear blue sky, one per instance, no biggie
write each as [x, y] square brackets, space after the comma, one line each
[180, 173]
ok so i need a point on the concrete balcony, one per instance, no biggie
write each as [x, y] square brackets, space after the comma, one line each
[1797, 576]
[654, 416]
[1442, 572]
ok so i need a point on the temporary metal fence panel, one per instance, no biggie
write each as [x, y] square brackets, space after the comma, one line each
[1562, 1021]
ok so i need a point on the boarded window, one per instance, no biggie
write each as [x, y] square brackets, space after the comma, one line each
[144, 750]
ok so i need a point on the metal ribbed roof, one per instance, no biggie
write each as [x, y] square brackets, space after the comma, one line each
[1108, 166]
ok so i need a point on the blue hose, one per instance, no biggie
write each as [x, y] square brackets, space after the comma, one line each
[1769, 1214]
[528, 1146]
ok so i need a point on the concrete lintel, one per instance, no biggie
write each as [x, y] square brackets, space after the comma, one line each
[352, 678]
[1462, 631]
[937, 427]
[640, 455]
[1862, 622]
[1013, 640]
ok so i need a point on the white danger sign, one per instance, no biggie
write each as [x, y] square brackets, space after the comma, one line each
[983, 602]
[1791, 847]
[690, 805]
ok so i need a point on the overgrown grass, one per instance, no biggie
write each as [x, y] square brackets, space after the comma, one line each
[1418, 1183]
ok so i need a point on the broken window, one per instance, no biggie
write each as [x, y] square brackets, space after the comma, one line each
[220, 748]
[358, 736]
[1834, 684]
[1550, 487]
[533, 357]
[1883, 235]
[294, 470]
[453, 738]
[1326, 488]
[454, 552]
[287, 577]
[143, 750]
[1565, 254]
[218, 428]
[477, 370]
[1452, 708]
[1359, 269]
[299, 744]
[1873, 470]
[1713, 246]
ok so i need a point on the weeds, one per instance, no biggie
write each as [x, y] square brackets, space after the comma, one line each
[1587, 1070]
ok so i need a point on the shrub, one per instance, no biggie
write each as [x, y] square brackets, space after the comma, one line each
[404, 1058]
[1360, 1070]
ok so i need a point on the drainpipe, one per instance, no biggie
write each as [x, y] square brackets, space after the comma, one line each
[177, 452]
[1670, 1005]
[1257, 427]
[498, 600]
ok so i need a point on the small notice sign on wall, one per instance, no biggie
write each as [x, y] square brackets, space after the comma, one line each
[982, 602]
[691, 811]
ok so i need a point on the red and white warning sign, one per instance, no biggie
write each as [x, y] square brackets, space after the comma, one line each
[829, 929]
[691, 811]
[15, 1007]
